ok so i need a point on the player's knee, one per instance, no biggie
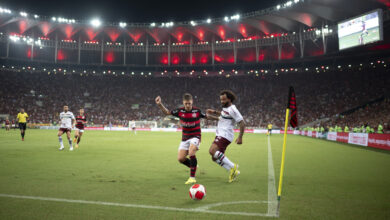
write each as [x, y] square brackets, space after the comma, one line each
[181, 159]
[212, 151]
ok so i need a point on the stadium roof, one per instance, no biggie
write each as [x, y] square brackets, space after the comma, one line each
[290, 16]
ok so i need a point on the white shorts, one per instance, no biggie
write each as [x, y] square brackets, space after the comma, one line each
[185, 145]
[80, 130]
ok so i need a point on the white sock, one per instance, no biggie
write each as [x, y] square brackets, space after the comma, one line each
[226, 166]
[222, 160]
[70, 143]
[60, 140]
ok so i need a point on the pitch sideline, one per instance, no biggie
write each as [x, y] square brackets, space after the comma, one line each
[272, 200]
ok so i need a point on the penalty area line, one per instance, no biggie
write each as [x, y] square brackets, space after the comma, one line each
[204, 210]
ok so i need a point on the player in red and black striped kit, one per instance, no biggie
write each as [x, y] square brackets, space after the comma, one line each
[7, 124]
[190, 121]
[81, 120]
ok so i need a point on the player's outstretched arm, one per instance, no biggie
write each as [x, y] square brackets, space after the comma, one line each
[211, 117]
[161, 106]
[242, 129]
[213, 112]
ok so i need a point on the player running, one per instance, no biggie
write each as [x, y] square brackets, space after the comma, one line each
[7, 124]
[66, 124]
[22, 120]
[81, 121]
[190, 120]
[228, 118]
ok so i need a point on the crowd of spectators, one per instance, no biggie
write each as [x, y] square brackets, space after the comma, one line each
[262, 99]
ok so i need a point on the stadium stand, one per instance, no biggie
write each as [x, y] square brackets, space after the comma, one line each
[116, 99]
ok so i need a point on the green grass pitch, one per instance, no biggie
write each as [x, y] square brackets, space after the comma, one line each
[323, 180]
[353, 39]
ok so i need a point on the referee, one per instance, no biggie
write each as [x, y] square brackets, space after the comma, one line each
[22, 120]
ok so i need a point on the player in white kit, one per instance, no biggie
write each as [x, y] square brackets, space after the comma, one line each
[228, 118]
[67, 121]
[133, 128]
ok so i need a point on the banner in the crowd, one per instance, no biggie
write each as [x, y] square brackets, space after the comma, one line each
[134, 106]
[342, 137]
[358, 139]
[332, 136]
[94, 128]
[282, 132]
[381, 141]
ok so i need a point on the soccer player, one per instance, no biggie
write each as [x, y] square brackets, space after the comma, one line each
[7, 124]
[66, 124]
[190, 120]
[364, 32]
[13, 124]
[81, 120]
[228, 118]
[22, 120]
[133, 128]
[269, 129]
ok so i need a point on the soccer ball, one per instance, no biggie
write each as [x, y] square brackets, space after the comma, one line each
[197, 192]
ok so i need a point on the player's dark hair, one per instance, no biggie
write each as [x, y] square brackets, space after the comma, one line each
[229, 94]
[187, 96]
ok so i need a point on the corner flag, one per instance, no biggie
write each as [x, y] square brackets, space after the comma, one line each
[291, 106]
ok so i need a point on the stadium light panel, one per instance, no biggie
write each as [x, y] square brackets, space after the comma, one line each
[208, 20]
[153, 24]
[226, 18]
[23, 14]
[4, 10]
[96, 22]
[193, 23]
[122, 24]
[235, 17]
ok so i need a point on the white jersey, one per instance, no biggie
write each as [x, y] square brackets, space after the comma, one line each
[228, 119]
[66, 119]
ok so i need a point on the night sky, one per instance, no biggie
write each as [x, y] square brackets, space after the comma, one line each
[138, 11]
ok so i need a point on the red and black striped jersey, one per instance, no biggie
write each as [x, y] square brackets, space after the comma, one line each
[190, 122]
[80, 121]
[7, 122]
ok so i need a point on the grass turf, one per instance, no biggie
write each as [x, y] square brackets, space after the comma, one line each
[323, 180]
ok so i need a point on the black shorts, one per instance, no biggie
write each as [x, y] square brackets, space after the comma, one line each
[22, 126]
[270, 130]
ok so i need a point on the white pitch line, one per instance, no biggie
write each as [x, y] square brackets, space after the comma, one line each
[212, 205]
[136, 205]
[272, 205]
